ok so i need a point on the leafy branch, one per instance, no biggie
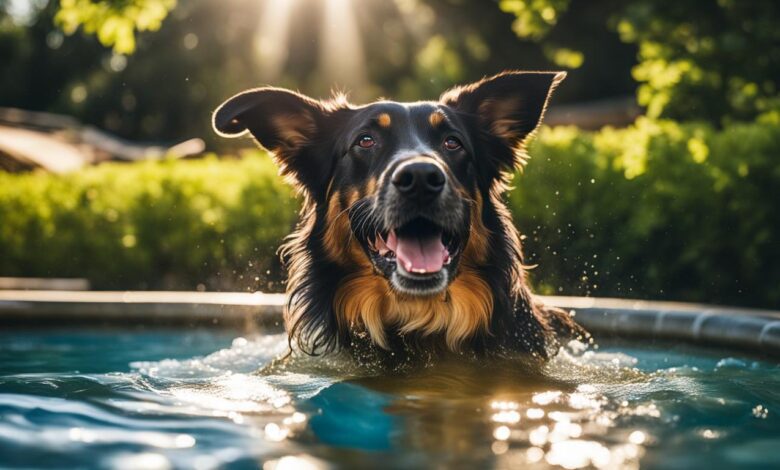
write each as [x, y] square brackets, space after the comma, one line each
[114, 22]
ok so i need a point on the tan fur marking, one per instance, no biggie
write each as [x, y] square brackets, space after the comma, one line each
[371, 187]
[340, 246]
[360, 300]
[353, 197]
[331, 238]
[336, 235]
[355, 251]
[436, 118]
[366, 298]
[384, 120]
[477, 247]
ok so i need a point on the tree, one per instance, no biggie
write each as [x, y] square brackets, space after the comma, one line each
[714, 60]
[205, 50]
[711, 60]
[115, 22]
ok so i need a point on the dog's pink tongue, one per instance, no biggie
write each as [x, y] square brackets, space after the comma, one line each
[418, 255]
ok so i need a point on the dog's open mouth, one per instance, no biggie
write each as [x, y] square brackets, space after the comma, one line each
[418, 247]
[415, 256]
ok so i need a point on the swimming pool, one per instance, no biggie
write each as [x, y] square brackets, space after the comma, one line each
[196, 398]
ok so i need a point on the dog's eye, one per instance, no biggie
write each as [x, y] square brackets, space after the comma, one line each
[452, 143]
[365, 141]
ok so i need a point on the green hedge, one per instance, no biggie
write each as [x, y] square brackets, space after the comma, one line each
[657, 210]
[171, 224]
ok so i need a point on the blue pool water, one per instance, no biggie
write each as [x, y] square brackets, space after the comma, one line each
[170, 399]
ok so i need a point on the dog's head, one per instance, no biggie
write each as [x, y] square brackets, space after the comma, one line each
[397, 191]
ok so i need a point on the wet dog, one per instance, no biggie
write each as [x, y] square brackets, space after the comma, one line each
[405, 248]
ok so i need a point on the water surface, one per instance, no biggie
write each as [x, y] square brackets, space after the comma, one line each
[207, 399]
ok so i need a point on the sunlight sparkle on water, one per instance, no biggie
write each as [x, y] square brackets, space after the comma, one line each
[240, 393]
[637, 437]
[275, 433]
[294, 462]
[149, 438]
[144, 460]
[578, 454]
[502, 433]
[566, 428]
[508, 416]
[545, 398]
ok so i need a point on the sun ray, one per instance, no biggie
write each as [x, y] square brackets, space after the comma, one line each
[271, 41]
[341, 56]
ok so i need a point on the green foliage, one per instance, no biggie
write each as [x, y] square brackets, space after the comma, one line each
[657, 210]
[115, 22]
[534, 21]
[704, 60]
[535, 18]
[164, 93]
[171, 224]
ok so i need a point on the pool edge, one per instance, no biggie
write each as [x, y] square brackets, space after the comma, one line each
[708, 325]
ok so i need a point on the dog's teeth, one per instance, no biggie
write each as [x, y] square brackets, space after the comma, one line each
[408, 266]
[419, 271]
[447, 260]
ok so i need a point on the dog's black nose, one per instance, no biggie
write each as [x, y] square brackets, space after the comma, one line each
[421, 179]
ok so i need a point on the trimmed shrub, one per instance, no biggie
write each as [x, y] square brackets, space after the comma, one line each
[658, 210]
[169, 224]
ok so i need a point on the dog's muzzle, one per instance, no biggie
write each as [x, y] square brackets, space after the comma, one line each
[422, 227]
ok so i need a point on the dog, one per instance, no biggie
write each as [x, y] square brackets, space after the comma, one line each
[405, 248]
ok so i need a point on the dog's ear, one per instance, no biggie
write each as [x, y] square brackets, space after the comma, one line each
[508, 107]
[285, 123]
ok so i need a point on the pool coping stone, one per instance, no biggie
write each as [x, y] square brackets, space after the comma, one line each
[700, 324]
